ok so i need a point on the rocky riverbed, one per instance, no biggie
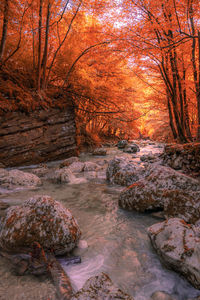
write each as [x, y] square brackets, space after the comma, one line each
[101, 190]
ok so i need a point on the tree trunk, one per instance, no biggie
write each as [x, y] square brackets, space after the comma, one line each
[198, 91]
[4, 30]
[39, 46]
[45, 55]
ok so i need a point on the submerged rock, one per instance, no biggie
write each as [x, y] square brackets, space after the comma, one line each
[40, 219]
[100, 287]
[16, 178]
[123, 172]
[3, 205]
[178, 246]
[161, 296]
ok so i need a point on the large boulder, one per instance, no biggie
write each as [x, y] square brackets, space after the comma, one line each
[167, 178]
[16, 178]
[40, 219]
[141, 196]
[182, 204]
[123, 172]
[100, 287]
[178, 246]
[151, 193]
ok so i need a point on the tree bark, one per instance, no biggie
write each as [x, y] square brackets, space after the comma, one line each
[39, 46]
[4, 30]
[45, 55]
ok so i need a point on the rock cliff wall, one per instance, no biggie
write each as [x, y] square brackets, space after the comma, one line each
[38, 137]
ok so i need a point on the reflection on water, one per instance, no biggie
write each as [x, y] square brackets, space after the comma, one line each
[117, 244]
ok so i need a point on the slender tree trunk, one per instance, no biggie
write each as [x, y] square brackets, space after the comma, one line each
[39, 46]
[45, 55]
[4, 30]
[198, 91]
[186, 113]
[196, 74]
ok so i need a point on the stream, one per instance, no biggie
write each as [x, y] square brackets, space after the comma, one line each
[113, 241]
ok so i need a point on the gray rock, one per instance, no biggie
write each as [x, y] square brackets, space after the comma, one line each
[122, 144]
[40, 172]
[77, 167]
[100, 152]
[178, 246]
[149, 157]
[150, 194]
[100, 287]
[182, 204]
[90, 166]
[15, 178]
[40, 219]
[131, 148]
[63, 175]
[123, 172]
[67, 162]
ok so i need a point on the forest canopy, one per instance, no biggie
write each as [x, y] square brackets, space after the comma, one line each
[129, 67]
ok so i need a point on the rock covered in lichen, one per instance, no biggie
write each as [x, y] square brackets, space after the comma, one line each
[141, 197]
[182, 204]
[167, 178]
[40, 219]
[16, 178]
[123, 172]
[100, 287]
[151, 192]
[178, 246]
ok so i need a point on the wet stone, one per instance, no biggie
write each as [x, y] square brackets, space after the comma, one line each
[40, 219]
[100, 287]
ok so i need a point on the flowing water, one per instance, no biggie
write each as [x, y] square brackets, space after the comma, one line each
[116, 243]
